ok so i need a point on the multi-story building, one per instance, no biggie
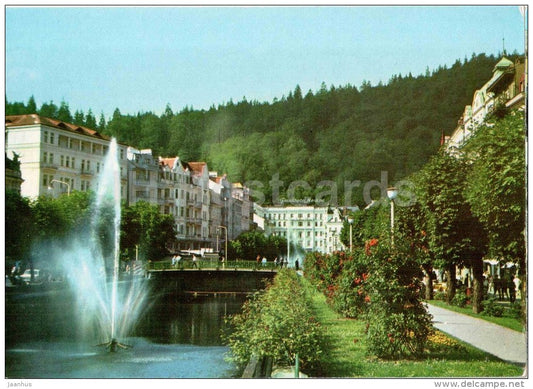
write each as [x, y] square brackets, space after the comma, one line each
[506, 88]
[312, 228]
[57, 157]
[243, 208]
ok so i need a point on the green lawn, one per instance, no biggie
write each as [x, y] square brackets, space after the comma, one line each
[346, 354]
[508, 322]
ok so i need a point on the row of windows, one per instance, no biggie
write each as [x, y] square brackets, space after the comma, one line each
[300, 234]
[298, 224]
[70, 162]
[66, 184]
[49, 137]
[293, 216]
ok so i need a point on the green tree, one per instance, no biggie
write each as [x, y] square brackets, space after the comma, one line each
[49, 110]
[456, 237]
[496, 186]
[144, 226]
[63, 113]
[19, 219]
[90, 120]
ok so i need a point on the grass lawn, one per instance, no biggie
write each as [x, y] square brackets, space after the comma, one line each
[504, 321]
[346, 354]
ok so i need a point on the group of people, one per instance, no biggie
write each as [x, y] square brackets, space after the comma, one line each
[278, 262]
[502, 287]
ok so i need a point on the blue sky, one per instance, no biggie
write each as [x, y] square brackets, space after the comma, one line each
[140, 59]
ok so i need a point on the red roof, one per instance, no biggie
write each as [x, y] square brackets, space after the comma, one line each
[168, 162]
[197, 167]
[28, 120]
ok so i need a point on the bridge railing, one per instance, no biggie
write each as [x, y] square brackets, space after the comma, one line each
[212, 264]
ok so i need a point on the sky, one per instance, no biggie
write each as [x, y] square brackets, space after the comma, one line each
[140, 58]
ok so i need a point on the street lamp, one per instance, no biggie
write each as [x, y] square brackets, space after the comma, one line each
[350, 221]
[225, 243]
[62, 183]
[392, 193]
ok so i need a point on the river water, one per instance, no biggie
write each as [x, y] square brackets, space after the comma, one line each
[174, 338]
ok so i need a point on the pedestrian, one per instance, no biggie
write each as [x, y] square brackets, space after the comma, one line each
[257, 261]
[173, 262]
[297, 265]
[498, 287]
[516, 282]
[491, 285]
[264, 261]
[194, 261]
[276, 262]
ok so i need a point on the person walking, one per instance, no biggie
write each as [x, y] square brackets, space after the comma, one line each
[194, 261]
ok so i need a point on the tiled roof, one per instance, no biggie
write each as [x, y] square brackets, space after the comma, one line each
[168, 162]
[28, 120]
[197, 167]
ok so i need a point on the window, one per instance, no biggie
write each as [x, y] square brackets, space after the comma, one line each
[62, 159]
[73, 163]
[45, 157]
[67, 161]
[52, 140]
[97, 167]
[45, 137]
[51, 158]
[46, 179]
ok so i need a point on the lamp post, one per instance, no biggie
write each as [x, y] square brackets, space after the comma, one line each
[225, 242]
[392, 193]
[62, 183]
[350, 221]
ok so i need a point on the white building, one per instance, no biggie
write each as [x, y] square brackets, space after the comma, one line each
[505, 88]
[57, 157]
[312, 228]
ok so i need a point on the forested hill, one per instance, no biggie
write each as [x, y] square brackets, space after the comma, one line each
[340, 134]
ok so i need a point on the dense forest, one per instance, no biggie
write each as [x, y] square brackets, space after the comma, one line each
[340, 134]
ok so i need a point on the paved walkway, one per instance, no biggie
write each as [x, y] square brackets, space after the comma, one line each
[504, 343]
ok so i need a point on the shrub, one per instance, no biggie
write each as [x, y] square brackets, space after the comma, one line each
[342, 278]
[440, 296]
[460, 299]
[515, 310]
[278, 323]
[491, 307]
[398, 323]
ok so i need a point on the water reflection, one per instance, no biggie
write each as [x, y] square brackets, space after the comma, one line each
[176, 338]
[192, 320]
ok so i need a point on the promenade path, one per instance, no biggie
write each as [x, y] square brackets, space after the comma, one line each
[504, 343]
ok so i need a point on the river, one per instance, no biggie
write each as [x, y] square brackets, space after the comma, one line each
[174, 338]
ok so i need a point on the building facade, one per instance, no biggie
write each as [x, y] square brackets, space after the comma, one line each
[311, 228]
[57, 157]
[505, 89]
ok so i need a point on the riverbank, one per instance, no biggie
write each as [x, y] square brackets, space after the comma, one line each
[345, 353]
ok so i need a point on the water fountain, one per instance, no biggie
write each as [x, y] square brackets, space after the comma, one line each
[107, 308]
[54, 333]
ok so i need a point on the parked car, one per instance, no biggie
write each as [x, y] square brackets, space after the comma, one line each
[26, 276]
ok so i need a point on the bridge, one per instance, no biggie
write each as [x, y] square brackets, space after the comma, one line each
[210, 276]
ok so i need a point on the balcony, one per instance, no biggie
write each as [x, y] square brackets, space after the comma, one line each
[87, 172]
[48, 166]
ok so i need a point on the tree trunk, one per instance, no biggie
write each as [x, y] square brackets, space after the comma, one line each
[450, 283]
[477, 295]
